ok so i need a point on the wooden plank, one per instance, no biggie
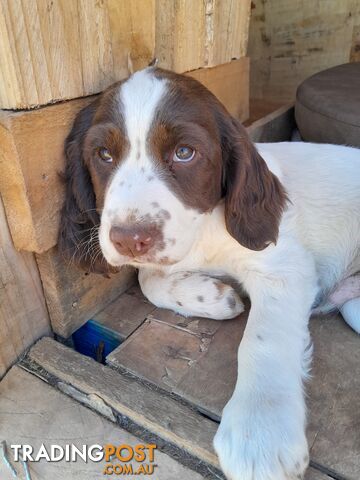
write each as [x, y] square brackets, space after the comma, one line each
[287, 44]
[132, 26]
[23, 314]
[126, 313]
[151, 410]
[32, 156]
[30, 408]
[277, 126]
[165, 357]
[180, 37]
[214, 33]
[227, 30]
[180, 356]
[74, 296]
[230, 83]
[55, 49]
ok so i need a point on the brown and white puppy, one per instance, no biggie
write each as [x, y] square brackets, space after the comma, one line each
[161, 177]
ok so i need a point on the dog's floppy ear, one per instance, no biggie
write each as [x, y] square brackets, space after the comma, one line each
[78, 236]
[254, 197]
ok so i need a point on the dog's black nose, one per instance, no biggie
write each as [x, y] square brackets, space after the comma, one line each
[132, 241]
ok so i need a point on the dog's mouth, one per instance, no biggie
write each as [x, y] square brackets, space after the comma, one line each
[152, 259]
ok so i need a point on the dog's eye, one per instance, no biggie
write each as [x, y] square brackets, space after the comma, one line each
[184, 154]
[104, 154]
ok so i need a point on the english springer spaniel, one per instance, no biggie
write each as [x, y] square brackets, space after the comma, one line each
[161, 177]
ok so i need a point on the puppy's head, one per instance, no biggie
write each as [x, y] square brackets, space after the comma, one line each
[147, 161]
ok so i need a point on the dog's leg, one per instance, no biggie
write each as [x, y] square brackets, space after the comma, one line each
[191, 294]
[262, 431]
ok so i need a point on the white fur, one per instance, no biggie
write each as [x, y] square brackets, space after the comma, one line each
[130, 187]
[262, 432]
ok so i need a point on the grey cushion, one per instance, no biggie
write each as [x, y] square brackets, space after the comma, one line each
[327, 108]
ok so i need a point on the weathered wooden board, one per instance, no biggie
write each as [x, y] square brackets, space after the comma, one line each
[126, 313]
[288, 44]
[201, 368]
[214, 33]
[230, 83]
[32, 156]
[30, 408]
[72, 295]
[53, 50]
[23, 314]
[151, 410]
[180, 355]
[277, 126]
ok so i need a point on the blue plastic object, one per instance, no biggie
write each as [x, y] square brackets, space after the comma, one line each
[95, 341]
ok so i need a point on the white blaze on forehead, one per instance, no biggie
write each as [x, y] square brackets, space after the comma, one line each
[140, 96]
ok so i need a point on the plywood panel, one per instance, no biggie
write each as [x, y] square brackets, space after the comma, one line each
[52, 50]
[23, 314]
[287, 44]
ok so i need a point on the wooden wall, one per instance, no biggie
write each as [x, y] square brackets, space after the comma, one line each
[23, 314]
[57, 50]
[52, 50]
[291, 40]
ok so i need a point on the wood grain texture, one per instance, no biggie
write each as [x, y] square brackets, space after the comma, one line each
[32, 155]
[287, 44]
[30, 408]
[180, 355]
[52, 50]
[126, 313]
[230, 84]
[148, 408]
[277, 126]
[215, 32]
[72, 295]
[23, 314]
[31, 159]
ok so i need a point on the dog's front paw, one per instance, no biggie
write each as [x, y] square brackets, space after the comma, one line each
[264, 443]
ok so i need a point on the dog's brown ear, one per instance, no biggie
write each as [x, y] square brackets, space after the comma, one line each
[254, 197]
[78, 236]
